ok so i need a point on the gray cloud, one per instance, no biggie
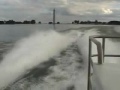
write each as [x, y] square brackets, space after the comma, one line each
[67, 10]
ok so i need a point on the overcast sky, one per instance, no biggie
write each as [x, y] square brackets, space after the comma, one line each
[67, 10]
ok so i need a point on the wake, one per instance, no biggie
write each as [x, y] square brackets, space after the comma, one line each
[30, 52]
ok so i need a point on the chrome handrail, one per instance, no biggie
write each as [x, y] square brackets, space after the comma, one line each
[101, 54]
[99, 49]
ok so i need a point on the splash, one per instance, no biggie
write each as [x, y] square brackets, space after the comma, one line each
[40, 47]
[30, 52]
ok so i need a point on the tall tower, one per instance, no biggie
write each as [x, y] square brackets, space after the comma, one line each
[54, 18]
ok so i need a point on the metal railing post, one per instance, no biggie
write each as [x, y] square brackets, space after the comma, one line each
[100, 54]
[103, 46]
[99, 49]
[89, 68]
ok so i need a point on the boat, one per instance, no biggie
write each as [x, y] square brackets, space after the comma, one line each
[101, 75]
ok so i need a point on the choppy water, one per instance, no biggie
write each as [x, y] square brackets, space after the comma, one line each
[63, 71]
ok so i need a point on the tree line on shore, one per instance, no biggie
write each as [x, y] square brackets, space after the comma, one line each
[19, 22]
[24, 22]
[96, 22]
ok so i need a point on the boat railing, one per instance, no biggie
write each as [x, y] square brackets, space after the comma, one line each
[100, 54]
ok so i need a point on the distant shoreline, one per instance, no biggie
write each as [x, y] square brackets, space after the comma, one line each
[75, 22]
[59, 24]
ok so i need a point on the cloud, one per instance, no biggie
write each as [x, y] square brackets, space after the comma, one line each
[69, 9]
[107, 11]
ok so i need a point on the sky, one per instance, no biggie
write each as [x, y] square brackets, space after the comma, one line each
[66, 10]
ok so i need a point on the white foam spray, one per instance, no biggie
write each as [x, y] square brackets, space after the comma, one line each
[73, 79]
[30, 52]
[83, 44]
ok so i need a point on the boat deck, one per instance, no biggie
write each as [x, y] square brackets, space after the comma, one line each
[108, 74]
[102, 75]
